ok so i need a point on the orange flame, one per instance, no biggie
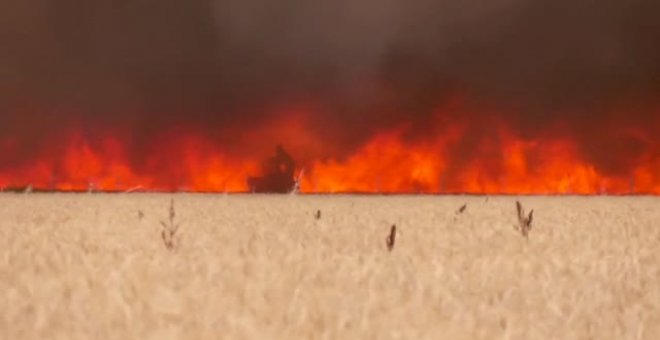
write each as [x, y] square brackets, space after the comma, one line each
[389, 162]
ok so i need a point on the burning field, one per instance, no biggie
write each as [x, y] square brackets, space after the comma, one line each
[168, 113]
[515, 96]
[81, 266]
[451, 155]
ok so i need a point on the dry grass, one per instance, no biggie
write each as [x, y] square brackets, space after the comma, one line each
[263, 267]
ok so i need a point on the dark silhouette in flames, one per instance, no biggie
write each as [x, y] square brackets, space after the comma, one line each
[278, 174]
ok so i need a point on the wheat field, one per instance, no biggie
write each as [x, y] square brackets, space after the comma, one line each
[95, 266]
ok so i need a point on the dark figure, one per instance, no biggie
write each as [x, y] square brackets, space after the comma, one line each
[278, 174]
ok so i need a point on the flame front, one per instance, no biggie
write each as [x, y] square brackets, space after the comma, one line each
[387, 162]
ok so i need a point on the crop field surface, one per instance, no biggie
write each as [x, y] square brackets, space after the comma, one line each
[194, 266]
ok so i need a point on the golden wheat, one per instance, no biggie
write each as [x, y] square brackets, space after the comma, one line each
[94, 266]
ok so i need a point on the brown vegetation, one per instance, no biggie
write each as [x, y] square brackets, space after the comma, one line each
[169, 228]
[524, 221]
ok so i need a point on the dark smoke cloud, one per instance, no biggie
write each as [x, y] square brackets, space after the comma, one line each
[366, 65]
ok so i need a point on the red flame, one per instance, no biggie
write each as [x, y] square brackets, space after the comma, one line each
[388, 162]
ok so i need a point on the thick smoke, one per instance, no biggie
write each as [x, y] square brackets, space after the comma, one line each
[364, 66]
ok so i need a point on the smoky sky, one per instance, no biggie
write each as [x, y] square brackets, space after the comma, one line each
[366, 64]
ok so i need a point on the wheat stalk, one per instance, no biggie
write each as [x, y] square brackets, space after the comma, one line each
[169, 228]
[296, 182]
[391, 238]
[524, 221]
[135, 188]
